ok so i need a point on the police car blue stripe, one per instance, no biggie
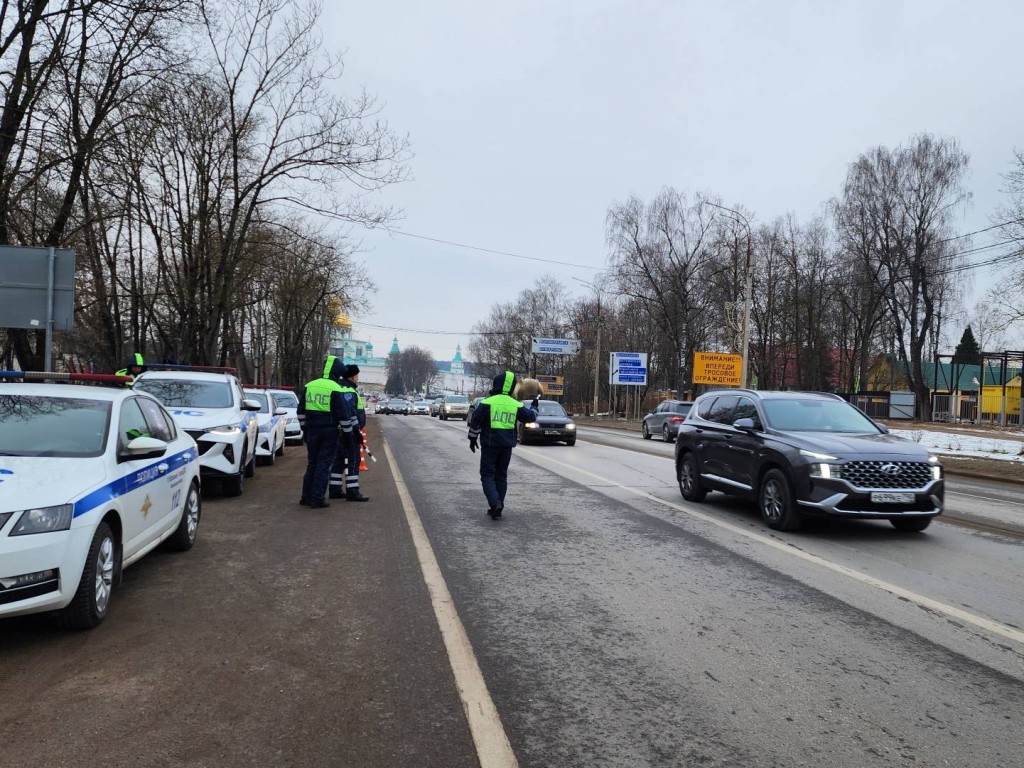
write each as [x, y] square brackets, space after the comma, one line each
[123, 485]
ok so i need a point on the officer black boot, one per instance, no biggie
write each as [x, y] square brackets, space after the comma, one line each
[356, 496]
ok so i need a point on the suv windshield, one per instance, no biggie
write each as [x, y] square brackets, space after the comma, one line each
[53, 426]
[178, 393]
[816, 416]
[458, 399]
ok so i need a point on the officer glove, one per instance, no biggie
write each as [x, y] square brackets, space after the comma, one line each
[535, 404]
[472, 444]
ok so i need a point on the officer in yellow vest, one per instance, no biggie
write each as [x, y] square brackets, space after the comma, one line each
[493, 425]
[326, 418]
[134, 367]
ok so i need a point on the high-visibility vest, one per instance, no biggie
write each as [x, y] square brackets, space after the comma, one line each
[318, 394]
[503, 411]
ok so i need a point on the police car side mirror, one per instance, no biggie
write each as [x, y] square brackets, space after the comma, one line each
[280, 412]
[250, 405]
[142, 448]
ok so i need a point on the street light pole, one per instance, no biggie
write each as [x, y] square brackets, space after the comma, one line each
[748, 293]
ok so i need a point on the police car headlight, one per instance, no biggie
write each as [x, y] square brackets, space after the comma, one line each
[44, 520]
[225, 429]
[264, 428]
[293, 421]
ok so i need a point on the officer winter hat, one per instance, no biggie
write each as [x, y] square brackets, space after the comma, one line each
[504, 383]
[351, 370]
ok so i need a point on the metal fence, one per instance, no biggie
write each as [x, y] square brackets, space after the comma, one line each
[883, 405]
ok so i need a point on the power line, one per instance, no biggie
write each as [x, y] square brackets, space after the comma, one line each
[492, 250]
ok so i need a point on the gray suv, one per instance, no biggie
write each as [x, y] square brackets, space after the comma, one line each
[804, 454]
[454, 407]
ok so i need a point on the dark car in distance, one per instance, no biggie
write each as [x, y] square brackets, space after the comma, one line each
[553, 425]
[805, 454]
[665, 419]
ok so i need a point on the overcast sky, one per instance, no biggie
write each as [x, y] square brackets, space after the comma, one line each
[528, 118]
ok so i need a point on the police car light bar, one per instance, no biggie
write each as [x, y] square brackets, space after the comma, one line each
[96, 378]
[204, 368]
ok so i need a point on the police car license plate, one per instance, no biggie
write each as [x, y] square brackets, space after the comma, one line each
[883, 497]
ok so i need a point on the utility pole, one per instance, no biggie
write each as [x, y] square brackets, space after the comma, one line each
[597, 355]
[597, 350]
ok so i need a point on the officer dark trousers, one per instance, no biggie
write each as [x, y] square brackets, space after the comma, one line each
[337, 484]
[494, 462]
[321, 446]
[352, 479]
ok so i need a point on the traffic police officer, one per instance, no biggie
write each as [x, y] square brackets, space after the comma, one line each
[493, 424]
[134, 367]
[326, 416]
[348, 453]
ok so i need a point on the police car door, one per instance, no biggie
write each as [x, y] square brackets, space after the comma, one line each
[162, 427]
[144, 490]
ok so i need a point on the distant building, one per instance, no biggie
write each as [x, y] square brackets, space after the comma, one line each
[372, 369]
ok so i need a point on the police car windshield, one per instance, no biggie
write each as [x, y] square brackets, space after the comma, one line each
[53, 426]
[286, 399]
[177, 393]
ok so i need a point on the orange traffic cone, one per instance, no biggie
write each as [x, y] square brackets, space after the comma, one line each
[362, 453]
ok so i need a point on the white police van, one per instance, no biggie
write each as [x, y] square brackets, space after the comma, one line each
[208, 403]
[287, 399]
[91, 479]
[272, 422]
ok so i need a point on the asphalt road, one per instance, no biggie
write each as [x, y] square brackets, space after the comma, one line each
[613, 623]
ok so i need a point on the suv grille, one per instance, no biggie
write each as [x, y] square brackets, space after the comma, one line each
[202, 445]
[887, 474]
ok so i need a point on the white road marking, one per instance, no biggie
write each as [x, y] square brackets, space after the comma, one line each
[492, 745]
[996, 628]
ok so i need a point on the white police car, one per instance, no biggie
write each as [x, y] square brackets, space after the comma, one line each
[210, 406]
[271, 420]
[287, 399]
[91, 479]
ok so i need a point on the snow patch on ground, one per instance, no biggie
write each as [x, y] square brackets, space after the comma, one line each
[965, 446]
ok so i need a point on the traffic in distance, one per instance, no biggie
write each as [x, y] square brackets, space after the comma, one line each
[130, 458]
[134, 459]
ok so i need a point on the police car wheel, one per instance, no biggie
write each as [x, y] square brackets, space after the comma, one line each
[280, 449]
[250, 468]
[88, 608]
[185, 535]
[233, 485]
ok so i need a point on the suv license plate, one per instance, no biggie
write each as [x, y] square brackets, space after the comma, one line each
[882, 497]
[551, 432]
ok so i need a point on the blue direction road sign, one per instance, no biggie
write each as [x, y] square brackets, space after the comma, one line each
[628, 368]
[555, 346]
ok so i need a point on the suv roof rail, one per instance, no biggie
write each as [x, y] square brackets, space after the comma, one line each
[202, 368]
[78, 378]
[270, 386]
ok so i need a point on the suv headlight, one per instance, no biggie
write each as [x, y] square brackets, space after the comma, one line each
[936, 467]
[225, 429]
[44, 520]
[820, 466]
